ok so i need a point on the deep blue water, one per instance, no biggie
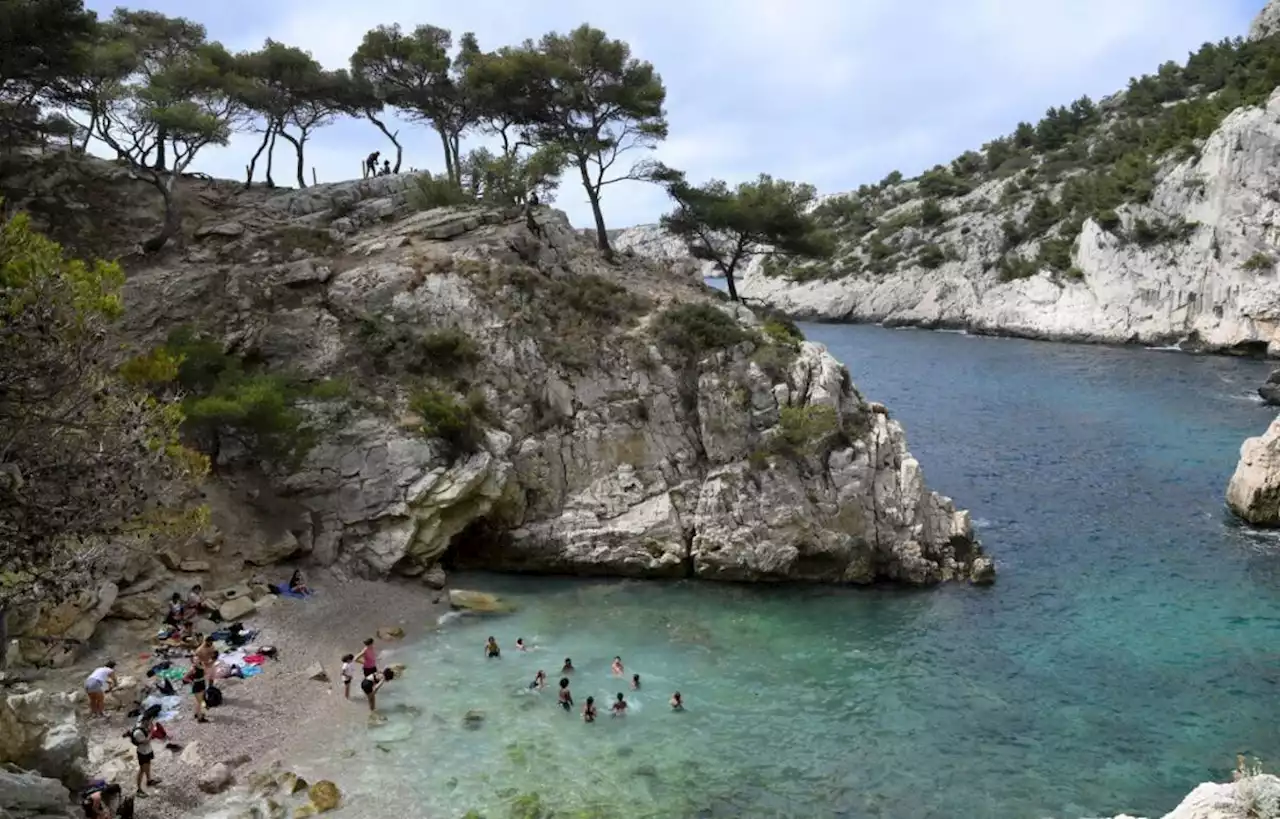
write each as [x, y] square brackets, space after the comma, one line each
[1129, 649]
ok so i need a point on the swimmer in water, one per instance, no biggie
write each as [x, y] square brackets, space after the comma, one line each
[491, 649]
[619, 707]
[520, 644]
[565, 698]
[635, 682]
[677, 702]
[568, 666]
[589, 710]
[539, 680]
[617, 667]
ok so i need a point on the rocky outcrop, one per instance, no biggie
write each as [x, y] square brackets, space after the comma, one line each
[1270, 390]
[1254, 490]
[1253, 797]
[1267, 22]
[38, 730]
[27, 795]
[602, 451]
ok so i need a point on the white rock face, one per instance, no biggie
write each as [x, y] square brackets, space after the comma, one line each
[614, 457]
[1196, 290]
[1257, 797]
[1267, 22]
[1254, 490]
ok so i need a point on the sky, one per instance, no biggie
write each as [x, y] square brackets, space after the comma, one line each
[836, 93]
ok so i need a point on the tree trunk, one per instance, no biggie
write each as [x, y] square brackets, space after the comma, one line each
[297, 150]
[271, 154]
[253, 163]
[593, 194]
[161, 136]
[88, 134]
[455, 145]
[733, 290]
[449, 170]
[399, 151]
[731, 268]
[172, 217]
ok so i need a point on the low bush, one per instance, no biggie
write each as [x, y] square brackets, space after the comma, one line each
[457, 422]
[1259, 262]
[694, 330]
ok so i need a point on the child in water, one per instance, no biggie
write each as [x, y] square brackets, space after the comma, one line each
[589, 710]
[677, 702]
[568, 666]
[491, 649]
[617, 667]
[565, 698]
[539, 680]
[635, 682]
[520, 644]
[619, 706]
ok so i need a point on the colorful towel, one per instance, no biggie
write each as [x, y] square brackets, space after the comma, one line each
[254, 659]
[250, 670]
[172, 673]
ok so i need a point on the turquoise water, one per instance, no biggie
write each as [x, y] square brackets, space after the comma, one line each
[1128, 651]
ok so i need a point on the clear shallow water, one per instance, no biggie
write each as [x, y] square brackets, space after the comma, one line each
[1130, 648]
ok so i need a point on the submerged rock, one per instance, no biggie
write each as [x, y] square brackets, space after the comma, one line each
[481, 602]
[1270, 389]
[1254, 490]
[324, 795]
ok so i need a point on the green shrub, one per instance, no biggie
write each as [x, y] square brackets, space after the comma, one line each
[1012, 267]
[932, 214]
[1147, 233]
[1259, 261]
[1056, 254]
[805, 430]
[694, 330]
[458, 423]
[780, 329]
[448, 350]
[931, 257]
[429, 192]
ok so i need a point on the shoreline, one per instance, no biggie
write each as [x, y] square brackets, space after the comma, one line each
[271, 717]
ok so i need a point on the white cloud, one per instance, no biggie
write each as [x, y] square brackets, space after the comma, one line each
[833, 92]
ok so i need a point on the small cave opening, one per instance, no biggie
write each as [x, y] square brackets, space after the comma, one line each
[481, 545]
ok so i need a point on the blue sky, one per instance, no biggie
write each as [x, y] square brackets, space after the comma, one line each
[832, 92]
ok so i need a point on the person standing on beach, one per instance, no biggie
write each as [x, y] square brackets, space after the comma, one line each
[368, 658]
[96, 686]
[198, 686]
[347, 659]
[143, 732]
[370, 685]
[206, 656]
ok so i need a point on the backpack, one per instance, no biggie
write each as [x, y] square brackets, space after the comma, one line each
[132, 734]
[213, 696]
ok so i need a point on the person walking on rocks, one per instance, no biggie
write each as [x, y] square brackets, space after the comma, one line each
[371, 164]
[96, 686]
[144, 730]
[368, 657]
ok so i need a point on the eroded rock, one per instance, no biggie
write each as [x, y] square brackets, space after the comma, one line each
[1254, 490]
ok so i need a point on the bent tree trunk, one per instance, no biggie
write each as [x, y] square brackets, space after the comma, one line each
[297, 150]
[593, 195]
[253, 163]
[399, 151]
[450, 171]
[271, 155]
[172, 215]
[161, 136]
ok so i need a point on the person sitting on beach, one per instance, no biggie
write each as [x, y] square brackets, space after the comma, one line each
[568, 666]
[619, 707]
[617, 667]
[589, 710]
[677, 702]
[372, 683]
[368, 658]
[176, 612]
[491, 649]
[199, 606]
[565, 698]
[198, 686]
[635, 682]
[96, 686]
[297, 584]
[346, 674]
[520, 644]
[539, 680]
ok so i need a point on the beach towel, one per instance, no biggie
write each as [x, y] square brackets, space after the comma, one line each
[250, 670]
[254, 659]
[172, 673]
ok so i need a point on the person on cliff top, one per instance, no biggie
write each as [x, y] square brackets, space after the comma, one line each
[199, 684]
[96, 686]
[589, 710]
[372, 683]
[635, 682]
[371, 163]
[386, 168]
[568, 666]
[368, 658]
[491, 650]
[145, 730]
[565, 698]
[677, 702]
[347, 659]
[539, 681]
[617, 667]
[619, 707]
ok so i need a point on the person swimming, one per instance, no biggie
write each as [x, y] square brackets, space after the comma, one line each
[617, 667]
[520, 644]
[565, 698]
[568, 666]
[589, 710]
[677, 702]
[619, 707]
[635, 682]
[539, 680]
[491, 649]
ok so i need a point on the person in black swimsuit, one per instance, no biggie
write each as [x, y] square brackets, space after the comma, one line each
[198, 686]
[566, 699]
[589, 710]
[370, 685]
[568, 666]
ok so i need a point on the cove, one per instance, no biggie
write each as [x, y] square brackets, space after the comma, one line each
[1126, 653]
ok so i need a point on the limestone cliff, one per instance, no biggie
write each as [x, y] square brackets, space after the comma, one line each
[1148, 217]
[609, 445]
[1254, 490]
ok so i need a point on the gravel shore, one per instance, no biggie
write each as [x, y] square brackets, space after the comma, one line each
[270, 716]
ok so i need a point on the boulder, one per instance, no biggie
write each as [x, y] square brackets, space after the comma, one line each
[1253, 797]
[316, 672]
[476, 601]
[258, 591]
[291, 783]
[216, 779]
[282, 548]
[390, 633]
[1270, 389]
[325, 796]
[237, 608]
[435, 577]
[38, 730]
[224, 230]
[1254, 490]
[473, 718]
[137, 607]
[27, 793]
